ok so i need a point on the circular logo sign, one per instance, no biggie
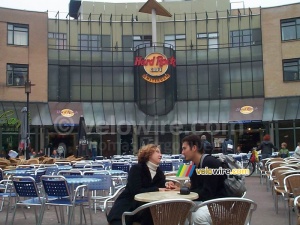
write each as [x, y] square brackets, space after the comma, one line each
[246, 109]
[158, 64]
[67, 112]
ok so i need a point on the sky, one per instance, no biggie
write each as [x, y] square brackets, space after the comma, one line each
[62, 5]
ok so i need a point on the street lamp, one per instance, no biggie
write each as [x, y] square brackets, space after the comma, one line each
[27, 91]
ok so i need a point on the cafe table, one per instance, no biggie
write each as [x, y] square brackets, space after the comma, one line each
[162, 195]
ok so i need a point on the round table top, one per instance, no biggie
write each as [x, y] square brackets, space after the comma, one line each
[22, 171]
[161, 195]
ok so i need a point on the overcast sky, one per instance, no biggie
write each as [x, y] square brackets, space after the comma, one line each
[62, 5]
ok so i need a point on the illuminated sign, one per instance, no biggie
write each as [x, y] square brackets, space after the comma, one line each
[67, 112]
[246, 109]
[155, 65]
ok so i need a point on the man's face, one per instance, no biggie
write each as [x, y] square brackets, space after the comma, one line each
[187, 151]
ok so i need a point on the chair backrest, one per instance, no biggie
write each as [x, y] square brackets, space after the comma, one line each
[166, 166]
[25, 186]
[55, 186]
[120, 166]
[237, 211]
[38, 174]
[175, 211]
[51, 170]
[70, 173]
[292, 184]
[105, 184]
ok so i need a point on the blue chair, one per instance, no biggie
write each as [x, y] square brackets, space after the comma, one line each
[57, 186]
[7, 195]
[26, 188]
[100, 190]
[121, 166]
[166, 166]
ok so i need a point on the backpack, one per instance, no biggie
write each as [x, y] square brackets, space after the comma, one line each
[208, 148]
[233, 184]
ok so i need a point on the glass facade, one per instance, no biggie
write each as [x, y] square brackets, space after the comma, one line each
[220, 59]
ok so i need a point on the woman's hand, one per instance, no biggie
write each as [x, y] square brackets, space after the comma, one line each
[171, 186]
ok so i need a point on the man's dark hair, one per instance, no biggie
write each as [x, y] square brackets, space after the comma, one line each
[194, 140]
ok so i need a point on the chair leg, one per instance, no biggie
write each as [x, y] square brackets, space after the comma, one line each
[70, 214]
[13, 216]
[56, 214]
[90, 212]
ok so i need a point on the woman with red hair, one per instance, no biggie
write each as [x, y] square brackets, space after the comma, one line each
[146, 176]
[266, 147]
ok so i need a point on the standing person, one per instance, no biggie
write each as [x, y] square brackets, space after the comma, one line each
[297, 151]
[208, 148]
[94, 145]
[145, 176]
[266, 147]
[207, 186]
[227, 146]
[283, 152]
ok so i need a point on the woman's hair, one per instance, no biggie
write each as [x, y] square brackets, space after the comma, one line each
[267, 137]
[145, 152]
[284, 144]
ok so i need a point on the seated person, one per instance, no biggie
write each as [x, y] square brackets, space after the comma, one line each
[283, 152]
[207, 186]
[54, 154]
[145, 176]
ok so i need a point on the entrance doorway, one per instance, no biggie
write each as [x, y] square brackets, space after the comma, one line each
[68, 140]
[250, 136]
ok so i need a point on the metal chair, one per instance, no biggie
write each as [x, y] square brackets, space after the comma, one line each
[109, 202]
[51, 170]
[166, 166]
[174, 211]
[57, 186]
[26, 188]
[100, 190]
[121, 166]
[7, 195]
[237, 211]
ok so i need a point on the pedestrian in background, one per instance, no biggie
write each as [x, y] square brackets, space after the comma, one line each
[266, 147]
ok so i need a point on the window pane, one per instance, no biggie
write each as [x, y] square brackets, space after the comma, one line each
[17, 34]
[290, 73]
[288, 33]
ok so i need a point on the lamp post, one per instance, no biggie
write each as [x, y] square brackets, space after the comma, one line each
[27, 91]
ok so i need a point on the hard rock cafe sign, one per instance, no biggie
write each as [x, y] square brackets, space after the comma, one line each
[156, 66]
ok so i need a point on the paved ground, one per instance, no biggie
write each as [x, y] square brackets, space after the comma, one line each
[265, 213]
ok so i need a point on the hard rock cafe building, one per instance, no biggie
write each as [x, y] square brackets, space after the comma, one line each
[149, 73]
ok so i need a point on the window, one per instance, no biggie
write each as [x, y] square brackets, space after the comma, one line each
[93, 42]
[290, 29]
[212, 39]
[58, 40]
[130, 43]
[170, 40]
[291, 69]
[142, 41]
[16, 74]
[17, 34]
[239, 38]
